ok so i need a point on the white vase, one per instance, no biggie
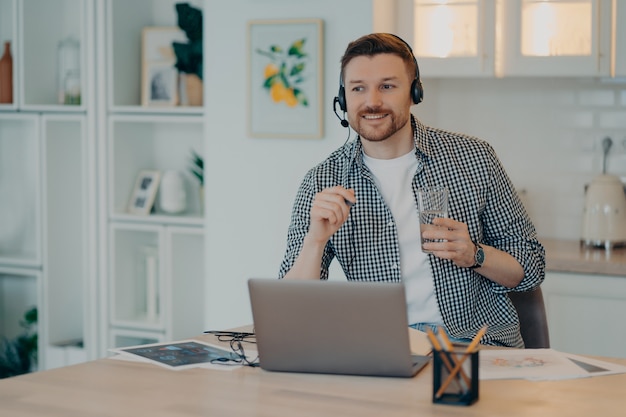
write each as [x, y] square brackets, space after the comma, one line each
[172, 194]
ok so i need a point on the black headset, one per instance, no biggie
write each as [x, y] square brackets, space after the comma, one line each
[417, 91]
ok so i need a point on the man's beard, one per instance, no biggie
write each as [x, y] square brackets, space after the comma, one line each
[392, 123]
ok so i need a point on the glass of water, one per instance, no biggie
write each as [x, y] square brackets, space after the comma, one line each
[432, 202]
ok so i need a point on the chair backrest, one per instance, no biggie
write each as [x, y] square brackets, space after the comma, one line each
[532, 316]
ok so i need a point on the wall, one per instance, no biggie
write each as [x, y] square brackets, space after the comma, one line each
[547, 133]
[251, 182]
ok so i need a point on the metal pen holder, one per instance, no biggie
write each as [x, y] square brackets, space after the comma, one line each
[455, 376]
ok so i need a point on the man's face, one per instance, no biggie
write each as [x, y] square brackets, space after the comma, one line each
[377, 95]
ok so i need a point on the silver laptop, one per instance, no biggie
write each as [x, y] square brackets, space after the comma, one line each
[350, 328]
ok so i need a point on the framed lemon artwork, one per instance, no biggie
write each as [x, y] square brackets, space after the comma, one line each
[285, 78]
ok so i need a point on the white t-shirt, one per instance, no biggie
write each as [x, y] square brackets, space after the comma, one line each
[394, 178]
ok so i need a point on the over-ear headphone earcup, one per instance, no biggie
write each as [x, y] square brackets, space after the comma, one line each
[417, 92]
[341, 98]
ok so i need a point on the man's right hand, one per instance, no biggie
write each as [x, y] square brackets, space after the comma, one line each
[330, 210]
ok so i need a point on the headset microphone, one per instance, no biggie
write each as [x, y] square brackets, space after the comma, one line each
[343, 120]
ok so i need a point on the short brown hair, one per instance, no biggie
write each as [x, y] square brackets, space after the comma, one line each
[379, 43]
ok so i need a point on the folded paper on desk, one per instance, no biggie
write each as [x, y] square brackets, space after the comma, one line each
[418, 341]
[541, 364]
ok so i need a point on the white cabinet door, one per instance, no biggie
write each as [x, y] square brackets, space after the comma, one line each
[586, 313]
[483, 38]
[456, 39]
[555, 37]
[619, 39]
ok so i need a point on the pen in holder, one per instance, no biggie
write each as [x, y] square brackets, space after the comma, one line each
[455, 369]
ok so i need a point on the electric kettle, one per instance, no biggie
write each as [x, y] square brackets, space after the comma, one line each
[604, 214]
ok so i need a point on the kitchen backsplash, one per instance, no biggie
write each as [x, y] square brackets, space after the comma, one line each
[547, 133]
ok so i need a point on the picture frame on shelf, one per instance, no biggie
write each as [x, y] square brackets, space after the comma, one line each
[144, 193]
[160, 85]
[159, 80]
[285, 78]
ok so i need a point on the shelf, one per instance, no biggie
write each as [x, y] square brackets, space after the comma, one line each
[147, 111]
[187, 297]
[125, 338]
[19, 292]
[126, 22]
[63, 354]
[137, 265]
[153, 143]
[65, 215]
[44, 25]
[157, 279]
[8, 33]
[174, 220]
[20, 216]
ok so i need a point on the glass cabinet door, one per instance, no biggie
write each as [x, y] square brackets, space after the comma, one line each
[618, 40]
[555, 37]
[454, 37]
[561, 28]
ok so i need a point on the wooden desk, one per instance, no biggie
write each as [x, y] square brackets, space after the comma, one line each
[118, 388]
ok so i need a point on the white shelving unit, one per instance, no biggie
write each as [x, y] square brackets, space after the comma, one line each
[46, 180]
[67, 242]
[153, 264]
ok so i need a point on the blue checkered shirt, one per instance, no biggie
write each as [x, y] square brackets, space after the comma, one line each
[481, 195]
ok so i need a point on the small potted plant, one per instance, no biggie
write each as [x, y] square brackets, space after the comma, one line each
[189, 54]
[197, 170]
[19, 356]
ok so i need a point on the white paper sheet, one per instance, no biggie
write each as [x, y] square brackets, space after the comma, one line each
[540, 364]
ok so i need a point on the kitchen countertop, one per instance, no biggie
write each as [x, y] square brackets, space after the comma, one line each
[571, 256]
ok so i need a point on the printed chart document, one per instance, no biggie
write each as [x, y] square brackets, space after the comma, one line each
[183, 354]
[541, 364]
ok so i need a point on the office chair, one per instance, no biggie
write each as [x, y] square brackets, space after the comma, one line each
[532, 316]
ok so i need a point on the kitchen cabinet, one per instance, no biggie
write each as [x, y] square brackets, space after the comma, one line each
[586, 313]
[558, 37]
[485, 38]
[455, 38]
